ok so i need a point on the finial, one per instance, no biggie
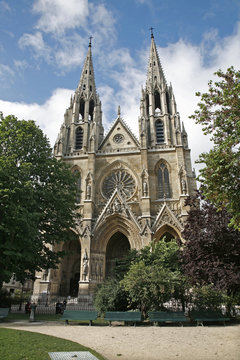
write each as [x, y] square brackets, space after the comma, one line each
[151, 28]
[90, 41]
[119, 111]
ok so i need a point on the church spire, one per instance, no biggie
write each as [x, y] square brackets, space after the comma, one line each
[155, 72]
[87, 81]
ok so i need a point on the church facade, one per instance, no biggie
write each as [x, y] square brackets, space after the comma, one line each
[130, 191]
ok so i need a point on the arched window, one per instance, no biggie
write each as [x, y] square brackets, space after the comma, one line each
[157, 100]
[78, 186]
[159, 131]
[79, 138]
[147, 105]
[163, 182]
[82, 108]
[91, 109]
[168, 103]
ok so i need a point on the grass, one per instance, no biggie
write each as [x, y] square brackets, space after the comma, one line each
[25, 345]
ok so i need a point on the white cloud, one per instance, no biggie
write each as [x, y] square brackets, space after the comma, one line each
[48, 116]
[64, 48]
[37, 43]
[71, 52]
[56, 16]
[6, 74]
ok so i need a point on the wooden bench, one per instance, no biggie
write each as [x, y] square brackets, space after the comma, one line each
[79, 315]
[126, 316]
[4, 312]
[167, 316]
[202, 316]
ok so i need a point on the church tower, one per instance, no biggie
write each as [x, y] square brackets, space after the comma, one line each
[130, 190]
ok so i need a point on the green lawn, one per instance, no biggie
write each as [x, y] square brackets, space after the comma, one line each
[25, 345]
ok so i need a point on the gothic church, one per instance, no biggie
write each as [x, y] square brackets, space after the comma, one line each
[130, 191]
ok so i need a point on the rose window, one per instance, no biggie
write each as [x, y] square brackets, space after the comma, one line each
[118, 138]
[121, 180]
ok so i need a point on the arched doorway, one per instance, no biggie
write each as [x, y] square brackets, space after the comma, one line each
[117, 247]
[167, 236]
[70, 269]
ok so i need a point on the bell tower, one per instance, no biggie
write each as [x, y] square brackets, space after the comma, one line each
[82, 130]
[159, 119]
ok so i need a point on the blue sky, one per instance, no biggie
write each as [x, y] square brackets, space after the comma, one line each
[43, 44]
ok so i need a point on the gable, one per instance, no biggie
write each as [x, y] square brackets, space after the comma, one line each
[119, 138]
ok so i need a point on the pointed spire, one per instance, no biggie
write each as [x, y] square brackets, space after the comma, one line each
[155, 71]
[87, 81]
[151, 28]
[119, 111]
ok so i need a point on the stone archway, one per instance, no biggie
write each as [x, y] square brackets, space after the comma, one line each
[117, 248]
[168, 232]
[70, 269]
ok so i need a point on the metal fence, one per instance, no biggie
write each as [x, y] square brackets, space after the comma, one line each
[49, 307]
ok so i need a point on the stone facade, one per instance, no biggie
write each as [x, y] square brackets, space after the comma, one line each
[130, 191]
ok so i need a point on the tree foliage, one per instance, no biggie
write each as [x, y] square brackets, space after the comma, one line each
[37, 200]
[155, 277]
[110, 296]
[219, 114]
[211, 253]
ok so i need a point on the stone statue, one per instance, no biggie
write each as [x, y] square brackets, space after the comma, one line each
[184, 186]
[89, 190]
[85, 266]
[145, 188]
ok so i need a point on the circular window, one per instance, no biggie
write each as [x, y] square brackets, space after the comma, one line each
[118, 138]
[121, 180]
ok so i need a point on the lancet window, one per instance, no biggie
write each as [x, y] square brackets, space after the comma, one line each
[79, 138]
[164, 190]
[81, 109]
[157, 100]
[91, 109]
[159, 131]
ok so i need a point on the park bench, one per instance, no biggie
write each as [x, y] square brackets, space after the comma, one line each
[79, 315]
[4, 312]
[202, 316]
[126, 316]
[167, 316]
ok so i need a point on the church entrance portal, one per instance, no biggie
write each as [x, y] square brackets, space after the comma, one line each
[117, 248]
[70, 269]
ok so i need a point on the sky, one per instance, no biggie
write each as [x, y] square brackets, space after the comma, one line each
[43, 44]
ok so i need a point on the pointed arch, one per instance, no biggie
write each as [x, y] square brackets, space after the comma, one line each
[163, 181]
[91, 109]
[117, 248]
[79, 138]
[159, 127]
[147, 104]
[81, 108]
[168, 103]
[168, 232]
[157, 100]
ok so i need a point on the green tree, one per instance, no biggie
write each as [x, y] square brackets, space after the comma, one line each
[37, 200]
[110, 296]
[155, 277]
[219, 115]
